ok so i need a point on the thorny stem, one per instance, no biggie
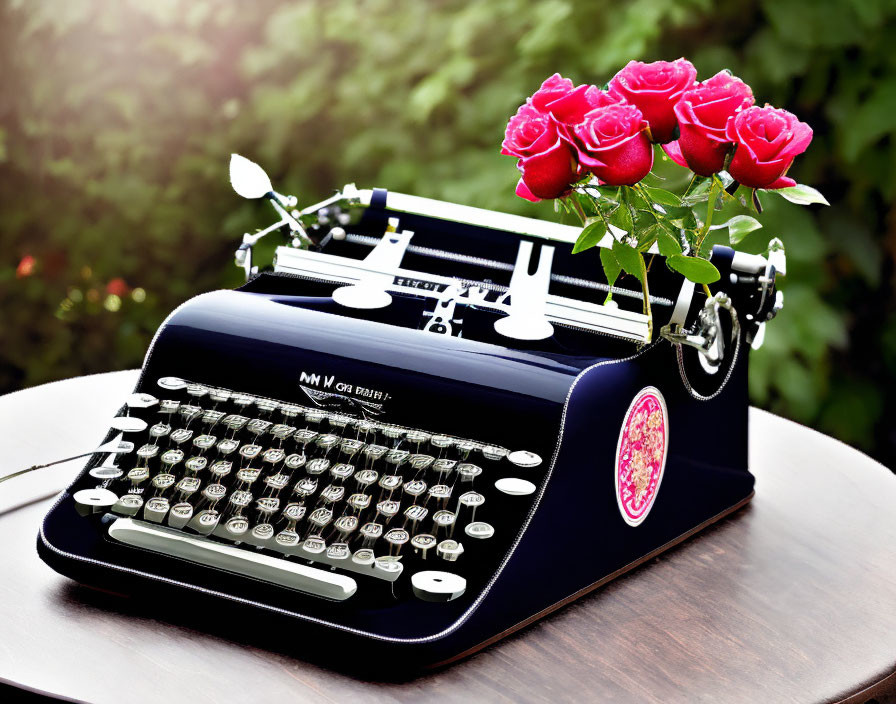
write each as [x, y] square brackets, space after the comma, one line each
[578, 208]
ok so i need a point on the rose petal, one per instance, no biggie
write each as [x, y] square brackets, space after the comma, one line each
[673, 151]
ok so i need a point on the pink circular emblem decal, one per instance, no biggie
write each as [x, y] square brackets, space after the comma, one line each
[641, 455]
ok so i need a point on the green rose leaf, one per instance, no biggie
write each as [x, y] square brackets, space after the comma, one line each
[700, 271]
[590, 236]
[622, 218]
[658, 195]
[740, 226]
[801, 195]
[629, 259]
[667, 243]
[611, 265]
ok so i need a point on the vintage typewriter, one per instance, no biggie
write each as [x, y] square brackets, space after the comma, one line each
[424, 428]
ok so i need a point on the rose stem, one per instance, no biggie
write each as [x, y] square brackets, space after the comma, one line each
[710, 209]
[646, 292]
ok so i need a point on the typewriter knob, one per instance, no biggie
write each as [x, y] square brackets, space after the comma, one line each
[362, 297]
[89, 501]
[433, 585]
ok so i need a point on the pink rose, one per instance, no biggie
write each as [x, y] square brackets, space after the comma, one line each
[546, 161]
[768, 139]
[654, 89]
[553, 88]
[703, 114]
[612, 143]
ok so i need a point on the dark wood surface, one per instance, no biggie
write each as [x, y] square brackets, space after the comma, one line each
[792, 599]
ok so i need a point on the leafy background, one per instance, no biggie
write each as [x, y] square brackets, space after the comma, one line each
[117, 119]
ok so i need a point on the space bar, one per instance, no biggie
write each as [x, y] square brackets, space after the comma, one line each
[264, 567]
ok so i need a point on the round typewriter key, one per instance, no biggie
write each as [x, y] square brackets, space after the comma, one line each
[242, 400]
[250, 451]
[468, 471]
[138, 474]
[388, 565]
[89, 500]
[214, 492]
[515, 487]
[397, 536]
[364, 556]
[188, 485]
[181, 435]
[465, 446]
[169, 406]
[104, 473]
[248, 475]
[155, 509]
[523, 458]
[364, 426]
[295, 461]
[277, 481]
[314, 544]
[172, 383]
[366, 477]
[493, 452]
[338, 551]
[339, 421]
[444, 518]
[288, 410]
[267, 405]
[236, 526]
[444, 466]
[273, 455]
[163, 481]
[225, 447]
[256, 426]
[221, 468]
[327, 440]
[317, 466]
[159, 430]
[441, 441]
[415, 513]
[372, 530]
[286, 539]
[432, 585]
[267, 506]
[342, 471]
[219, 395]
[128, 504]
[147, 451]
[450, 550]
[281, 431]
[189, 412]
[303, 437]
[235, 422]
[294, 512]
[472, 499]
[263, 531]
[212, 417]
[332, 493]
[346, 524]
[240, 499]
[420, 461]
[359, 501]
[478, 529]
[305, 486]
[197, 390]
[417, 436]
[180, 514]
[141, 400]
[415, 488]
[397, 457]
[350, 446]
[195, 464]
[128, 424]
[390, 482]
[392, 431]
[203, 442]
[321, 516]
[440, 491]
[314, 416]
[388, 508]
[423, 542]
[374, 452]
[172, 457]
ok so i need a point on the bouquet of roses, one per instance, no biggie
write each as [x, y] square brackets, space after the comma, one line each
[591, 150]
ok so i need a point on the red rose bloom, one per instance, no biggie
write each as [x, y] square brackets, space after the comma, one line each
[546, 161]
[654, 89]
[768, 139]
[612, 143]
[703, 114]
[553, 88]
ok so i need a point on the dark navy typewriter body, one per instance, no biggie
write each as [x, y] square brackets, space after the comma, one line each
[384, 489]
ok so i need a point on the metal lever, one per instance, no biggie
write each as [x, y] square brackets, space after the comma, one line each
[385, 258]
[528, 297]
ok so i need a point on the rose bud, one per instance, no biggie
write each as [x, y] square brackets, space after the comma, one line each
[654, 89]
[546, 161]
[703, 114]
[554, 87]
[612, 143]
[768, 139]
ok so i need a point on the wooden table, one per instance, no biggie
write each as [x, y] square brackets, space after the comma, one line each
[791, 600]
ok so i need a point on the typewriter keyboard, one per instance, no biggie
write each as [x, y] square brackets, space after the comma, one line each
[302, 497]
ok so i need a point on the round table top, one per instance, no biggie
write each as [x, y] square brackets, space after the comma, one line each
[791, 599]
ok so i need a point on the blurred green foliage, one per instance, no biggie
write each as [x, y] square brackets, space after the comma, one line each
[117, 119]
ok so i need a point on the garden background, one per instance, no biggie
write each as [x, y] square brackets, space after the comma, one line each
[117, 120]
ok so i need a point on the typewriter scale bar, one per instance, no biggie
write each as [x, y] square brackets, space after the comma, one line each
[305, 498]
